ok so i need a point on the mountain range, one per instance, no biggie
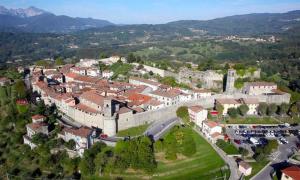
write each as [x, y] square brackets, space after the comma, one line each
[36, 20]
[33, 19]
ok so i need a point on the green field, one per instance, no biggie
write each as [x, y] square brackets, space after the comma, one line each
[227, 147]
[251, 120]
[204, 164]
[256, 167]
[134, 131]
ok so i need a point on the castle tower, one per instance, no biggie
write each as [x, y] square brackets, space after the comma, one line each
[109, 119]
[230, 81]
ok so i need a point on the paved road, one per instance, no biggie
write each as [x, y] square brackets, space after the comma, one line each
[159, 128]
[282, 155]
[234, 173]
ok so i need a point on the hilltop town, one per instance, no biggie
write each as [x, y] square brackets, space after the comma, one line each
[92, 105]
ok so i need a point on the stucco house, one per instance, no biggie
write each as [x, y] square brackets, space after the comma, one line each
[32, 129]
[245, 168]
[81, 136]
[212, 130]
[258, 88]
[291, 173]
[227, 103]
[197, 114]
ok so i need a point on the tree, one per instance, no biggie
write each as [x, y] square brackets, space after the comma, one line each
[151, 73]
[262, 109]
[131, 58]
[220, 109]
[71, 144]
[182, 112]
[103, 55]
[232, 112]
[272, 109]
[158, 146]
[39, 138]
[243, 151]
[294, 110]
[283, 109]
[140, 66]
[102, 66]
[40, 108]
[243, 109]
[20, 88]
[59, 61]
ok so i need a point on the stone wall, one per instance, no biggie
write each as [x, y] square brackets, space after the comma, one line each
[208, 102]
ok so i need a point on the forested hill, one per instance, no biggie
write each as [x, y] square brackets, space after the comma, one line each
[37, 20]
[250, 24]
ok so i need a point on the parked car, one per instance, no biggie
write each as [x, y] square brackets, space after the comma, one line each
[237, 141]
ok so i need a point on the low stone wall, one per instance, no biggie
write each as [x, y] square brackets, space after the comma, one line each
[170, 112]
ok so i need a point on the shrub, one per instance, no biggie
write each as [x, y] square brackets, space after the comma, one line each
[233, 112]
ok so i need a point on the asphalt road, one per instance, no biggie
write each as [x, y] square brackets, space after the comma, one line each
[234, 173]
[282, 155]
[159, 128]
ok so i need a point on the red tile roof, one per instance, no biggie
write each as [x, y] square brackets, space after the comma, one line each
[211, 124]
[227, 101]
[93, 96]
[153, 83]
[36, 126]
[261, 84]
[216, 134]
[86, 109]
[82, 131]
[244, 164]
[169, 94]
[277, 91]
[201, 91]
[154, 102]
[196, 108]
[250, 100]
[71, 75]
[124, 110]
[292, 171]
[136, 97]
[37, 116]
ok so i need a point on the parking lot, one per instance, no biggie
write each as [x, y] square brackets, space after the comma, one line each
[252, 135]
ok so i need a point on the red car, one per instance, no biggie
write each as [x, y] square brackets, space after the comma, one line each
[237, 141]
[103, 136]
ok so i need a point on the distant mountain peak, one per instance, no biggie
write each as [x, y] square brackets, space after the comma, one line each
[22, 12]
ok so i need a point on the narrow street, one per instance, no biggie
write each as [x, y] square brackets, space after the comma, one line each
[234, 173]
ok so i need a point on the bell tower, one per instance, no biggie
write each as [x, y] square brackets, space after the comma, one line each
[230, 81]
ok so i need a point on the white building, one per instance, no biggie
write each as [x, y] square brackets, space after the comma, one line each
[38, 118]
[258, 88]
[154, 104]
[291, 173]
[81, 136]
[79, 70]
[93, 71]
[87, 62]
[252, 104]
[201, 93]
[197, 114]
[227, 103]
[140, 81]
[212, 130]
[32, 129]
[107, 74]
[169, 98]
[245, 168]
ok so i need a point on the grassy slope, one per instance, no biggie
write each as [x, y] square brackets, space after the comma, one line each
[198, 166]
[205, 164]
[134, 131]
[252, 120]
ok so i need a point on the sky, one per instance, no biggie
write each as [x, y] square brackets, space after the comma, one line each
[155, 11]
